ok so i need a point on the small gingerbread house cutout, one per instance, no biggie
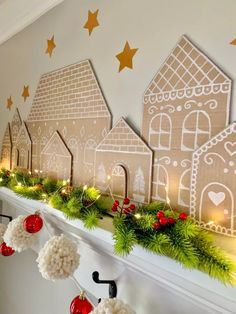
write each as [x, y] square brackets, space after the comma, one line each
[123, 157]
[56, 158]
[22, 149]
[185, 104]
[6, 153]
[69, 100]
[15, 125]
[213, 200]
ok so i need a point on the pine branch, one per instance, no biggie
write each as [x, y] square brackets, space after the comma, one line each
[90, 218]
[125, 239]
[28, 192]
[157, 243]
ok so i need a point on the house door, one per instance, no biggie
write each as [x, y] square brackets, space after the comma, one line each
[119, 181]
[216, 205]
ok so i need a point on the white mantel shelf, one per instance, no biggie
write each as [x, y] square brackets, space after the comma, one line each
[193, 285]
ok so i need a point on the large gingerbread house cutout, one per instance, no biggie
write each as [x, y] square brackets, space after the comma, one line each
[6, 153]
[213, 199]
[22, 149]
[70, 101]
[56, 158]
[123, 157]
[185, 104]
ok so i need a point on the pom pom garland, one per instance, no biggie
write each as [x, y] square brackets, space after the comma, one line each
[2, 231]
[112, 306]
[16, 237]
[58, 259]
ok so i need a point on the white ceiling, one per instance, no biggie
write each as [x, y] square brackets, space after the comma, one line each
[17, 14]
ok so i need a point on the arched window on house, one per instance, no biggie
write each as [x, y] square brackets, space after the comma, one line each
[160, 132]
[89, 151]
[160, 183]
[196, 130]
[184, 189]
[119, 181]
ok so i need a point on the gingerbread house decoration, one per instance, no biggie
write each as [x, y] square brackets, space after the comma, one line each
[22, 149]
[56, 158]
[69, 101]
[213, 200]
[124, 162]
[6, 149]
[185, 104]
[15, 125]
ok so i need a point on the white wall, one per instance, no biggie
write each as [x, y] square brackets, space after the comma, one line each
[153, 26]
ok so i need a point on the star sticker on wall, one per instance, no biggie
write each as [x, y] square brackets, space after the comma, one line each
[25, 93]
[9, 103]
[233, 42]
[92, 21]
[126, 57]
[51, 46]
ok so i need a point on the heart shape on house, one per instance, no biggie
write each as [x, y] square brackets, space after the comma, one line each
[230, 147]
[216, 198]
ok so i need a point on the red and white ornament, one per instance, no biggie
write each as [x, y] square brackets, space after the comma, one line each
[6, 250]
[33, 223]
[80, 305]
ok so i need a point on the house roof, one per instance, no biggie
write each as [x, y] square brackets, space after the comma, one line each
[186, 67]
[123, 139]
[218, 138]
[71, 92]
[15, 125]
[56, 146]
[7, 136]
[23, 136]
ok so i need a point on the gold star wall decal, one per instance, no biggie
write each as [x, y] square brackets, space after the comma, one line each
[92, 21]
[233, 42]
[9, 103]
[51, 46]
[126, 57]
[25, 93]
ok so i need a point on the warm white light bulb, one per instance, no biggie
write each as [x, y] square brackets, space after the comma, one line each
[85, 187]
[108, 177]
[137, 216]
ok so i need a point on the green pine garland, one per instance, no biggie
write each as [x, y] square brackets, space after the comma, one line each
[183, 240]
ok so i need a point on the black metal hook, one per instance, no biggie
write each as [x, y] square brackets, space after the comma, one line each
[111, 283]
[6, 216]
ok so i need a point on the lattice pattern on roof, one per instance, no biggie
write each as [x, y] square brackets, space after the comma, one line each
[123, 139]
[15, 125]
[23, 136]
[55, 145]
[7, 136]
[186, 67]
[67, 93]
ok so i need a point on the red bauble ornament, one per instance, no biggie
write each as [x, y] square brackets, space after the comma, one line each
[80, 305]
[163, 221]
[160, 214]
[6, 250]
[171, 220]
[126, 201]
[116, 203]
[132, 206]
[33, 223]
[114, 208]
[156, 225]
[183, 216]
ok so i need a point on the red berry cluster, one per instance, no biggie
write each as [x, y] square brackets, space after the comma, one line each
[125, 208]
[163, 221]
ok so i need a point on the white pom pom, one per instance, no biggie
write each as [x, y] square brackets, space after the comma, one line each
[58, 259]
[2, 231]
[16, 236]
[112, 306]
